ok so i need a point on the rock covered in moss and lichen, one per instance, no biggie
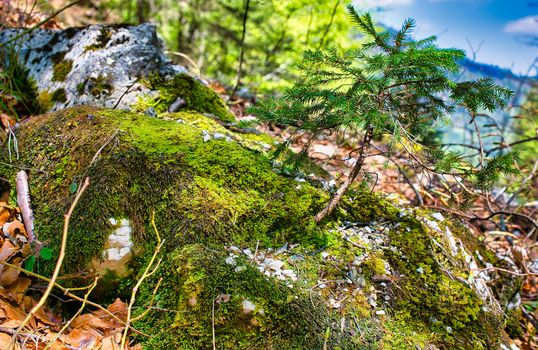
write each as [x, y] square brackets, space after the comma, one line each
[218, 191]
[105, 66]
[242, 254]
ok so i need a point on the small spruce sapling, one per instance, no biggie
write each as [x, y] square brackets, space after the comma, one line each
[391, 85]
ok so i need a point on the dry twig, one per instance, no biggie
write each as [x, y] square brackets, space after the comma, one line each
[147, 273]
[57, 268]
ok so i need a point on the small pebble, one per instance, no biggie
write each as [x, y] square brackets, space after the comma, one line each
[438, 216]
[248, 306]
[276, 265]
[218, 136]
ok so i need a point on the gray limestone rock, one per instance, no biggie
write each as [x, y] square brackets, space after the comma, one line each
[96, 65]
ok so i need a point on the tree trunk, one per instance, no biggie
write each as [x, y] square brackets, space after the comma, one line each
[329, 208]
[242, 52]
[142, 10]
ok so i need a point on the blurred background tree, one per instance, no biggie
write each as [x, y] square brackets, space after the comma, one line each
[207, 34]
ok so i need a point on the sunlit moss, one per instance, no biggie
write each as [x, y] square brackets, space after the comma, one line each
[197, 96]
[59, 95]
[61, 69]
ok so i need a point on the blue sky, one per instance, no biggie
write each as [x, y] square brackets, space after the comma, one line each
[497, 29]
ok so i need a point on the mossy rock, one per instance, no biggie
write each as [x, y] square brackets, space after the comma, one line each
[207, 194]
[196, 96]
[246, 309]
[216, 191]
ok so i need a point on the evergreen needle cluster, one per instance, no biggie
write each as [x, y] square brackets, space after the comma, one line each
[391, 85]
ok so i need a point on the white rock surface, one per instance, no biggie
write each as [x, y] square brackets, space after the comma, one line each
[248, 306]
[127, 52]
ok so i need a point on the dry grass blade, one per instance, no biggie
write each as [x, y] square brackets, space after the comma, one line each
[68, 323]
[145, 275]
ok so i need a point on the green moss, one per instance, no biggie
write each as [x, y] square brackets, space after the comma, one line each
[61, 70]
[81, 87]
[406, 335]
[206, 194]
[45, 100]
[57, 96]
[216, 191]
[197, 96]
[374, 266]
[513, 326]
[58, 57]
[427, 298]
[194, 280]
[364, 207]
[442, 302]
[101, 41]
[99, 86]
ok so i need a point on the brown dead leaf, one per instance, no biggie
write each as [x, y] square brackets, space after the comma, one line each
[117, 308]
[11, 316]
[7, 250]
[26, 250]
[109, 344]
[5, 214]
[6, 121]
[16, 228]
[9, 274]
[16, 291]
[91, 321]
[5, 341]
[83, 338]
[45, 316]
[58, 345]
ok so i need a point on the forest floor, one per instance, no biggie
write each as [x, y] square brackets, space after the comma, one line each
[105, 326]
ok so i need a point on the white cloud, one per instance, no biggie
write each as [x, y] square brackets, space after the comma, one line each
[525, 25]
[380, 3]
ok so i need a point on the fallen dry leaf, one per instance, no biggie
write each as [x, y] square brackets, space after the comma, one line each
[6, 121]
[5, 341]
[10, 316]
[90, 321]
[26, 250]
[45, 316]
[109, 344]
[83, 338]
[9, 274]
[8, 249]
[16, 291]
[5, 214]
[58, 344]
[117, 308]
[15, 228]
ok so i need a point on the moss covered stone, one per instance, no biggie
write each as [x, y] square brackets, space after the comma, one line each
[432, 296]
[245, 308]
[98, 86]
[197, 96]
[215, 191]
[101, 41]
[221, 192]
